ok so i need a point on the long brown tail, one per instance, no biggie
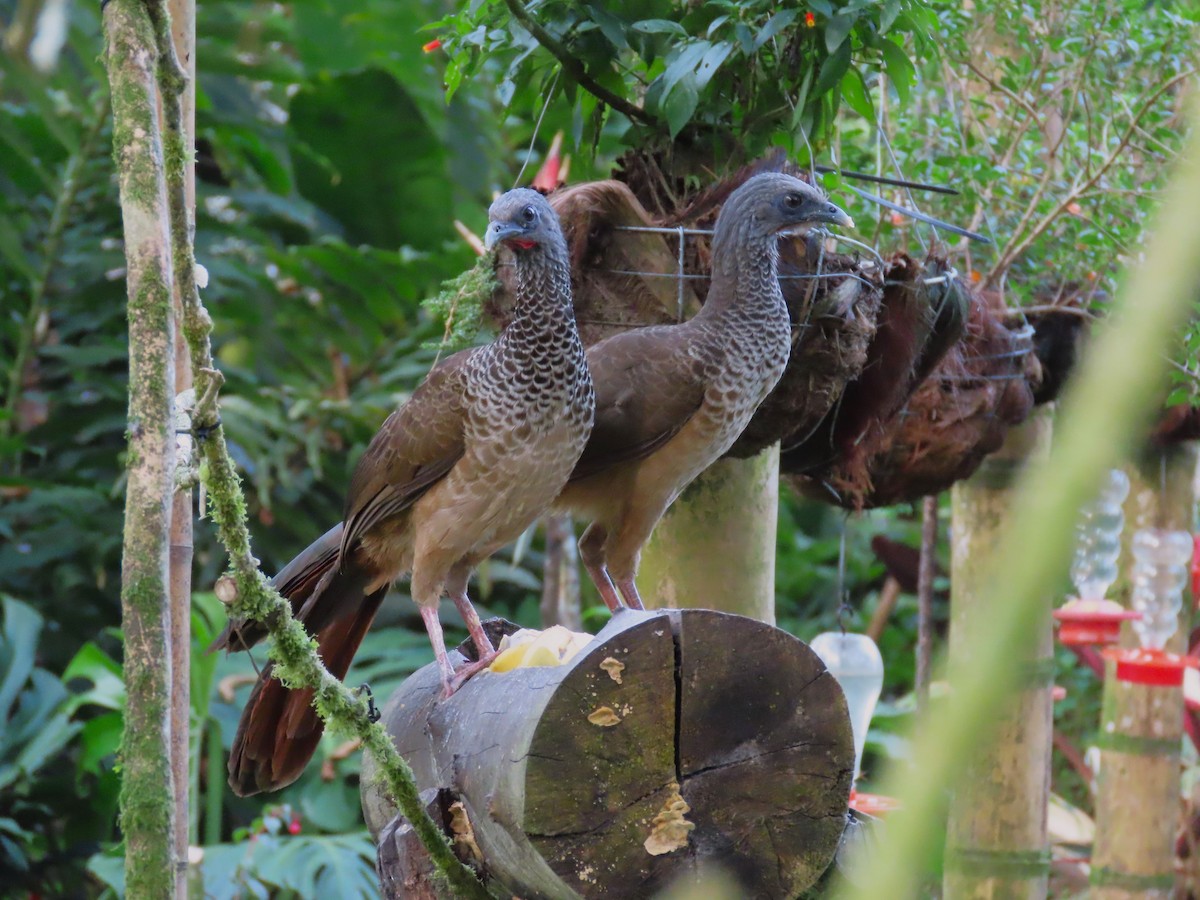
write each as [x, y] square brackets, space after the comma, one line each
[279, 730]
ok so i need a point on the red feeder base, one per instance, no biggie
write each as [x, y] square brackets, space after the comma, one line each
[1154, 667]
[1091, 622]
[873, 804]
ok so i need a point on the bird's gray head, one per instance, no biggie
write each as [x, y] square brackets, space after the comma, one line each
[523, 220]
[773, 202]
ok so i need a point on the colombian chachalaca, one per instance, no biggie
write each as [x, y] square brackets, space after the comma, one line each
[671, 399]
[478, 452]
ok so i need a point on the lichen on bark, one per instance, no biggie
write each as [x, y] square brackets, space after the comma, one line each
[147, 813]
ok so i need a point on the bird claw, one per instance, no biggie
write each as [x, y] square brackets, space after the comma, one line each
[463, 673]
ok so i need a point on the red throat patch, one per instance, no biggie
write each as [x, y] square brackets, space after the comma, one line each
[524, 245]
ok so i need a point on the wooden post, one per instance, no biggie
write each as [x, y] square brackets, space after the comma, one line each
[677, 739]
[183, 36]
[1141, 727]
[996, 835]
[715, 547]
[147, 813]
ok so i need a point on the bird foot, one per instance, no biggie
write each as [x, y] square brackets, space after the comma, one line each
[465, 672]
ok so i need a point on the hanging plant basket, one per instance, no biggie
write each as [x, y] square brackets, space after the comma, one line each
[955, 418]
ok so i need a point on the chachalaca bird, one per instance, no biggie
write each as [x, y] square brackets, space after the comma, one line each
[671, 399]
[479, 451]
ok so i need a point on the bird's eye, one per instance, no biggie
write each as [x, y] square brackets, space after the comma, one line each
[529, 214]
[792, 201]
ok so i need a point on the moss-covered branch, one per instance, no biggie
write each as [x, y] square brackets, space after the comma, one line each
[293, 650]
[147, 814]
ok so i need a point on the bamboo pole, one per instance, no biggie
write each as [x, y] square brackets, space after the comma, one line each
[715, 547]
[925, 572]
[1105, 409]
[1141, 726]
[183, 36]
[147, 813]
[996, 835]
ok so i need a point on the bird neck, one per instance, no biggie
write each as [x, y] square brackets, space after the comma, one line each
[542, 311]
[745, 277]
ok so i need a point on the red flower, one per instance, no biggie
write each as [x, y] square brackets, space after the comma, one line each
[432, 45]
[810, 20]
[294, 826]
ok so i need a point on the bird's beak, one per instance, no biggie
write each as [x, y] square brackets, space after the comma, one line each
[500, 231]
[822, 211]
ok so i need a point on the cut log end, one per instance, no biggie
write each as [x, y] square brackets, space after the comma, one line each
[677, 740]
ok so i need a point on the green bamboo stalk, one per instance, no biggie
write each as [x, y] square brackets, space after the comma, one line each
[246, 590]
[1103, 413]
[147, 813]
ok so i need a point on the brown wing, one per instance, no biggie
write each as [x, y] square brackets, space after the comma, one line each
[648, 384]
[413, 449]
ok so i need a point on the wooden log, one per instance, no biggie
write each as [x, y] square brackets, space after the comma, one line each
[996, 845]
[677, 739]
[1141, 727]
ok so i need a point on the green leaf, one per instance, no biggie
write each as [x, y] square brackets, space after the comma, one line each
[887, 18]
[683, 65]
[775, 25]
[659, 26]
[899, 69]
[854, 91]
[712, 60]
[18, 644]
[832, 71]
[611, 26]
[836, 31]
[680, 105]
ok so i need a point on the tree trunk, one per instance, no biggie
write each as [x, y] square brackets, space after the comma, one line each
[183, 35]
[676, 739]
[1142, 726]
[147, 819]
[715, 547]
[996, 835]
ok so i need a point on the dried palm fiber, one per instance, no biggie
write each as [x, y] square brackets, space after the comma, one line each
[958, 415]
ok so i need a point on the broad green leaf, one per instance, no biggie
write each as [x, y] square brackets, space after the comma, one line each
[680, 105]
[899, 68]
[854, 91]
[837, 30]
[775, 25]
[712, 60]
[659, 26]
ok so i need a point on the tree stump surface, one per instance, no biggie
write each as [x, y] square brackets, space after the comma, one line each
[677, 739]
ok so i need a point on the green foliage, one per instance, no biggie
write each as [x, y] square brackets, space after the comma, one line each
[35, 726]
[271, 864]
[766, 73]
[1057, 123]
[461, 302]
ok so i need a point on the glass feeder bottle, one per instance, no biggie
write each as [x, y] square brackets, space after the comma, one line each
[1098, 539]
[854, 660]
[1160, 571]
